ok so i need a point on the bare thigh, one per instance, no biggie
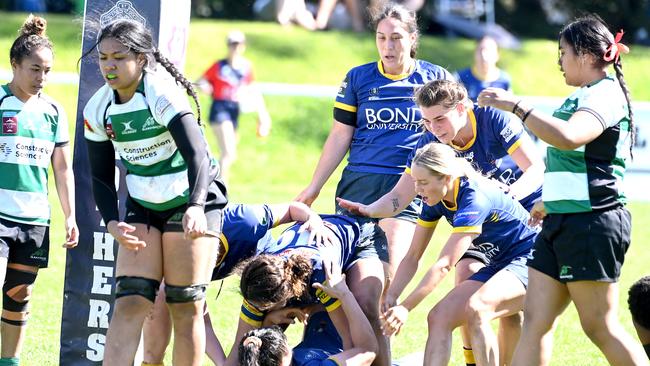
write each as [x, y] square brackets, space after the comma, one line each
[188, 261]
[146, 262]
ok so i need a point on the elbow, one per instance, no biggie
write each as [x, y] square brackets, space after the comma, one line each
[443, 267]
[565, 142]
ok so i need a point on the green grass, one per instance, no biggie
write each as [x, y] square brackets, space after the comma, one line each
[277, 168]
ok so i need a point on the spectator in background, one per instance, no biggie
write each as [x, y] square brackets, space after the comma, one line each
[326, 7]
[230, 82]
[296, 11]
[484, 73]
[639, 303]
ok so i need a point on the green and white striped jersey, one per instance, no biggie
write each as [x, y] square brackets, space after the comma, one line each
[30, 132]
[591, 176]
[156, 172]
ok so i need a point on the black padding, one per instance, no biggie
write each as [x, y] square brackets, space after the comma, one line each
[145, 287]
[182, 294]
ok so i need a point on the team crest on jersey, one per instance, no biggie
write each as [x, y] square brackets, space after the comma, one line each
[9, 123]
[343, 87]
[150, 124]
[109, 130]
[127, 128]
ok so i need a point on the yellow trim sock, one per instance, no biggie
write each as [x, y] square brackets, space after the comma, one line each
[152, 364]
[469, 357]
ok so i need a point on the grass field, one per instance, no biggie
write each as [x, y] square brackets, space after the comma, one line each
[264, 172]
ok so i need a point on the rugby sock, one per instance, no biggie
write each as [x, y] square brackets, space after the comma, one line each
[469, 357]
[9, 361]
[148, 364]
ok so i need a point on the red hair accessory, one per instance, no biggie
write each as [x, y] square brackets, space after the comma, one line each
[614, 50]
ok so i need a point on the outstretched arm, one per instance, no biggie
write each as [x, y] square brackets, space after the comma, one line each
[389, 204]
[335, 148]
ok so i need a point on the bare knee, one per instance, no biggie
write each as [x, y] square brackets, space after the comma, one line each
[438, 318]
[478, 312]
[598, 329]
[132, 307]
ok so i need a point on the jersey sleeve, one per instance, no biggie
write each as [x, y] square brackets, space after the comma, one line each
[62, 136]
[165, 98]
[429, 216]
[256, 219]
[426, 138]
[94, 119]
[603, 102]
[473, 209]
[251, 314]
[508, 130]
[345, 106]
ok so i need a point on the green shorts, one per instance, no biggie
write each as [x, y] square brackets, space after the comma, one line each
[588, 246]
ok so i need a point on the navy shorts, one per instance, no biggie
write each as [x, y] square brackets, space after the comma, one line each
[517, 266]
[24, 243]
[366, 188]
[224, 110]
[372, 241]
[588, 246]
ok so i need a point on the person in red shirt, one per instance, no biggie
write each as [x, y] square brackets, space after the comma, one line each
[230, 81]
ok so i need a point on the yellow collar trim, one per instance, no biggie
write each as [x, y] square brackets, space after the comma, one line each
[470, 143]
[454, 207]
[380, 66]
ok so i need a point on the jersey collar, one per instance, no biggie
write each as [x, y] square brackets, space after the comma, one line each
[380, 67]
[470, 143]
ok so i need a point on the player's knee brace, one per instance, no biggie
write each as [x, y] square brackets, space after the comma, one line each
[16, 292]
[182, 294]
[129, 286]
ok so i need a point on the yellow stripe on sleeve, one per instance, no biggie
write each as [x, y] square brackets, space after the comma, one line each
[467, 229]
[333, 306]
[514, 147]
[345, 107]
[429, 224]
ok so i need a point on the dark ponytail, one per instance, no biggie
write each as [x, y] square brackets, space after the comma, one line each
[267, 280]
[138, 39]
[32, 37]
[263, 347]
[618, 67]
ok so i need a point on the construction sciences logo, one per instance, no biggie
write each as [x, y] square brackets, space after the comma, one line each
[9, 123]
[151, 124]
[393, 118]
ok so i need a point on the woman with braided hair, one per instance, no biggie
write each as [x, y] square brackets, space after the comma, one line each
[34, 135]
[586, 228]
[173, 209]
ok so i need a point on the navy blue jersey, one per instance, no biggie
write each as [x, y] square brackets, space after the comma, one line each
[484, 209]
[475, 85]
[496, 135]
[320, 342]
[246, 231]
[382, 109]
[348, 235]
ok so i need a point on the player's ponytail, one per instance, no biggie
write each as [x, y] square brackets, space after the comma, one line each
[267, 280]
[180, 79]
[31, 37]
[263, 347]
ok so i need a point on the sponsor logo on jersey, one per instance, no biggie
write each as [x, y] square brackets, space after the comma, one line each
[151, 124]
[5, 149]
[128, 129]
[9, 123]
[507, 133]
[162, 105]
[391, 115]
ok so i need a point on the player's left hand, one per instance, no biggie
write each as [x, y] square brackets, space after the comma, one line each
[194, 222]
[71, 233]
[497, 98]
[318, 232]
[335, 285]
[537, 214]
[393, 320]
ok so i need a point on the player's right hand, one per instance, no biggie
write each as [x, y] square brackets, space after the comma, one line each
[537, 214]
[393, 320]
[355, 208]
[307, 196]
[121, 232]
